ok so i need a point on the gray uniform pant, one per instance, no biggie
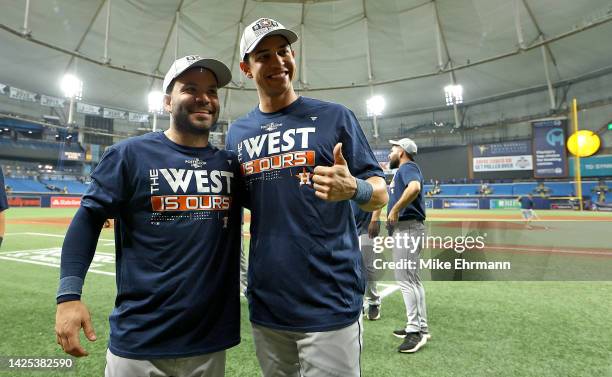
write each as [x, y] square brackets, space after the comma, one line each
[208, 365]
[367, 251]
[244, 266]
[408, 278]
[313, 354]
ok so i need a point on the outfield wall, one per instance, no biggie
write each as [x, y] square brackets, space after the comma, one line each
[44, 200]
[498, 202]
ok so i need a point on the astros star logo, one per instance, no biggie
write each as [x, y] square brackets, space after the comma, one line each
[304, 177]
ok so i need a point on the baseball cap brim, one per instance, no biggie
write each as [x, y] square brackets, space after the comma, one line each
[288, 34]
[220, 70]
[394, 142]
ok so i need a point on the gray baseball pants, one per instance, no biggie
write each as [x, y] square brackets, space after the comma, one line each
[367, 251]
[313, 354]
[208, 365]
[408, 278]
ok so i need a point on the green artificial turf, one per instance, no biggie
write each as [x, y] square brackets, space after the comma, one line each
[488, 328]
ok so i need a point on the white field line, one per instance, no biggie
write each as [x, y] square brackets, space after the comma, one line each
[552, 251]
[49, 235]
[433, 218]
[388, 290]
[54, 265]
[46, 249]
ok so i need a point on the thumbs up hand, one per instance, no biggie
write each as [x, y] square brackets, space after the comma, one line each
[334, 183]
[338, 157]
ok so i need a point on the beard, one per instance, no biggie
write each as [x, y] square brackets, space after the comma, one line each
[394, 164]
[184, 124]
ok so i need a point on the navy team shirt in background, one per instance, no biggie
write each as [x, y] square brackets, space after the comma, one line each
[526, 203]
[3, 199]
[177, 246]
[405, 174]
[305, 269]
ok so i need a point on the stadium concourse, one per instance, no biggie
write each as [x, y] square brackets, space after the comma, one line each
[507, 104]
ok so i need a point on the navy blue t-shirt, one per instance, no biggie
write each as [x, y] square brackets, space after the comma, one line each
[177, 236]
[305, 269]
[405, 174]
[3, 199]
[526, 203]
[362, 218]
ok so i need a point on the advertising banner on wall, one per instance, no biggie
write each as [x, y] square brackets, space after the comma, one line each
[460, 204]
[114, 114]
[594, 166]
[23, 95]
[549, 153]
[51, 101]
[138, 117]
[504, 204]
[65, 201]
[512, 155]
[85, 108]
[510, 148]
[482, 164]
[24, 201]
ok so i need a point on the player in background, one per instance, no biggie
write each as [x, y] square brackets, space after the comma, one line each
[368, 227]
[405, 219]
[527, 209]
[177, 232]
[3, 207]
[302, 160]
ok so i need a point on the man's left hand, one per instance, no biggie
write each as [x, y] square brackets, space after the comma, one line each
[334, 183]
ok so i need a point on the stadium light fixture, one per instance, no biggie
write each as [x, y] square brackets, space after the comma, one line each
[453, 94]
[156, 102]
[156, 105]
[72, 86]
[375, 106]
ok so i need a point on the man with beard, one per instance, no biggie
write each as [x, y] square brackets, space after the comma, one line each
[405, 219]
[177, 234]
[305, 278]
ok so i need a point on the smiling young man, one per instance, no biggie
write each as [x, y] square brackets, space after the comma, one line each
[305, 284]
[177, 239]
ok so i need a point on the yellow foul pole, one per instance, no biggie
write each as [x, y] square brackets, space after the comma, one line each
[577, 175]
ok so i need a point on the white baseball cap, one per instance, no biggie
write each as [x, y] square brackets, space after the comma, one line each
[220, 70]
[406, 144]
[258, 30]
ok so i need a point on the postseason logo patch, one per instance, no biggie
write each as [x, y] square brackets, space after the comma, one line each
[263, 26]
